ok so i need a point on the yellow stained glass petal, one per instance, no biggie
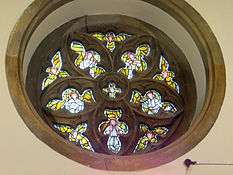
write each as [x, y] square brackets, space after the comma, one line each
[85, 143]
[111, 46]
[154, 140]
[124, 71]
[113, 114]
[63, 74]
[169, 107]
[144, 128]
[142, 144]
[81, 128]
[158, 77]
[160, 131]
[173, 85]
[77, 47]
[164, 66]
[136, 97]
[142, 51]
[55, 105]
[64, 129]
[123, 128]
[142, 67]
[99, 36]
[88, 96]
[121, 37]
[57, 61]
[47, 81]
[96, 71]
[80, 50]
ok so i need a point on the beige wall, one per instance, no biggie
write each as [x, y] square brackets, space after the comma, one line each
[22, 153]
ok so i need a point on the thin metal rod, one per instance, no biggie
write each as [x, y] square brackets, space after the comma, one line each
[213, 164]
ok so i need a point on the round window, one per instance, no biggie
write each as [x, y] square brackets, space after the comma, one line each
[112, 88]
[112, 91]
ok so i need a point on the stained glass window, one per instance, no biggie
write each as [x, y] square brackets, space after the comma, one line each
[112, 93]
[114, 126]
[109, 87]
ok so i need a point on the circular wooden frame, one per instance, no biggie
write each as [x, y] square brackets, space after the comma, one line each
[216, 79]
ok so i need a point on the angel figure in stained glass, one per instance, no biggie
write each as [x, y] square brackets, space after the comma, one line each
[110, 39]
[166, 75]
[55, 71]
[113, 128]
[135, 61]
[72, 101]
[150, 136]
[87, 59]
[151, 102]
[76, 135]
[112, 90]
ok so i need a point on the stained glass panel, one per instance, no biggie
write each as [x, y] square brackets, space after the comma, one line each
[72, 101]
[135, 61]
[87, 59]
[76, 135]
[150, 136]
[110, 39]
[55, 71]
[151, 103]
[113, 128]
[166, 75]
[112, 90]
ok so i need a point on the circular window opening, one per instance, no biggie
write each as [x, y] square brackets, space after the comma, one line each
[112, 88]
[114, 92]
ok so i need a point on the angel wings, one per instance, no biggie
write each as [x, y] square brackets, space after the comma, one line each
[55, 71]
[110, 39]
[113, 128]
[135, 61]
[150, 136]
[76, 135]
[72, 101]
[87, 59]
[151, 102]
[166, 75]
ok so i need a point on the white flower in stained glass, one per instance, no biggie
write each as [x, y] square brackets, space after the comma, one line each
[112, 90]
